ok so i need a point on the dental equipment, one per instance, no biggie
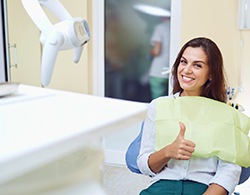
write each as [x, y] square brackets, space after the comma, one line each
[67, 34]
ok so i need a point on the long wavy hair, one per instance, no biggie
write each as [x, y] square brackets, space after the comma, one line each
[215, 87]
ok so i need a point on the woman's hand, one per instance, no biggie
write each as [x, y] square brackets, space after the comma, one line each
[181, 149]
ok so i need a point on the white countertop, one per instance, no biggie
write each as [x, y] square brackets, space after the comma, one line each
[39, 125]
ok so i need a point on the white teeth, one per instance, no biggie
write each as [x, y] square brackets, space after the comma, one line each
[187, 78]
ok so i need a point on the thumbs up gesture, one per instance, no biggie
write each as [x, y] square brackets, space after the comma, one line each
[182, 149]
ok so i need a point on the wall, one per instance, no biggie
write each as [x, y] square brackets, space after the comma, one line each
[218, 20]
[25, 48]
[89, 18]
[244, 96]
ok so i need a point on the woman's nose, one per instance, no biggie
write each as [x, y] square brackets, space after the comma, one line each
[188, 68]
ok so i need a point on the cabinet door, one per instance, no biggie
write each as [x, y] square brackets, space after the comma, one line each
[25, 35]
[24, 46]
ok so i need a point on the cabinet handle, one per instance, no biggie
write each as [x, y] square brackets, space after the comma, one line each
[13, 47]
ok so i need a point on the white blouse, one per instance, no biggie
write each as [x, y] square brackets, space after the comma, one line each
[203, 170]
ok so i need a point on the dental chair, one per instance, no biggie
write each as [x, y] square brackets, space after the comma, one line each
[134, 148]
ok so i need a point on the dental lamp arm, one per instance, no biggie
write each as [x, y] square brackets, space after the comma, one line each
[57, 8]
[67, 34]
[51, 47]
[36, 13]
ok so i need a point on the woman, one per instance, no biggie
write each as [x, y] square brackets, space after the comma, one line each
[197, 71]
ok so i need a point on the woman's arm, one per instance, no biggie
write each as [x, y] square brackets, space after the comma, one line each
[215, 189]
[180, 149]
[225, 179]
[156, 49]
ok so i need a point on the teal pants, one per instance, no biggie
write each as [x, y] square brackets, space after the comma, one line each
[158, 87]
[175, 187]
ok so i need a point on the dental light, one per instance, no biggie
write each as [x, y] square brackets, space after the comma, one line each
[152, 10]
[67, 34]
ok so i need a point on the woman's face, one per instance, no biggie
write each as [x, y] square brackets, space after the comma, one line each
[193, 71]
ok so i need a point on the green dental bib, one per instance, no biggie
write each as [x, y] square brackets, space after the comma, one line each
[216, 128]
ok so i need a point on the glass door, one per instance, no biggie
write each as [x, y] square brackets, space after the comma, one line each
[130, 35]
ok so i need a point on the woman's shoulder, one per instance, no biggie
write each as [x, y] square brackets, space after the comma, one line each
[166, 97]
[171, 96]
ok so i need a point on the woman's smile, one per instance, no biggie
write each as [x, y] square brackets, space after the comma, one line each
[187, 79]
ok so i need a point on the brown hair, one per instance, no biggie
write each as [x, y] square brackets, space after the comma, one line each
[215, 87]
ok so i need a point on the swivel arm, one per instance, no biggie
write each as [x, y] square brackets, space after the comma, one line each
[68, 33]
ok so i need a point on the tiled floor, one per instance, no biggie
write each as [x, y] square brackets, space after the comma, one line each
[118, 180]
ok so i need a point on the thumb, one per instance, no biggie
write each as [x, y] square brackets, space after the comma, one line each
[182, 129]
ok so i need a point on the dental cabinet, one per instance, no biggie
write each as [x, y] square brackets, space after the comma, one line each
[243, 99]
[51, 140]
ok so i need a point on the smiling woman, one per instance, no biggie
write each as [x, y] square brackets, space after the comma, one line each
[175, 166]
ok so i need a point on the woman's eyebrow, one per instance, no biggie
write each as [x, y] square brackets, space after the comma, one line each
[199, 61]
[196, 61]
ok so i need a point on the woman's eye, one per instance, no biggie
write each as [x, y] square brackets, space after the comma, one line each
[198, 65]
[183, 61]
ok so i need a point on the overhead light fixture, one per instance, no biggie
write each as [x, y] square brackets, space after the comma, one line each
[152, 10]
